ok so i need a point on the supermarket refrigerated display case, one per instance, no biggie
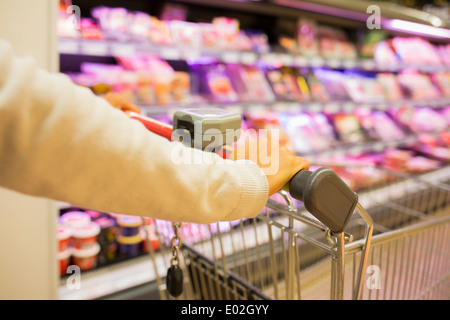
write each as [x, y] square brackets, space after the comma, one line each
[344, 101]
[80, 57]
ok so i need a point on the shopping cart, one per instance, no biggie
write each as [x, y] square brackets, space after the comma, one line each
[317, 248]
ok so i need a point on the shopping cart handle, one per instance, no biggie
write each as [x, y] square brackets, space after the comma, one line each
[325, 196]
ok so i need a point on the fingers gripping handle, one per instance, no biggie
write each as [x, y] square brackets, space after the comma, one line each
[325, 196]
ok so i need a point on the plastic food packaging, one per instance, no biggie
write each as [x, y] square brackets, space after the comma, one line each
[64, 234]
[307, 37]
[333, 43]
[112, 21]
[152, 238]
[250, 83]
[219, 87]
[64, 260]
[129, 225]
[415, 51]
[378, 125]
[139, 26]
[185, 33]
[302, 133]
[348, 127]
[391, 87]
[107, 239]
[95, 215]
[90, 30]
[418, 85]
[75, 219]
[85, 236]
[259, 40]
[86, 259]
[130, 246]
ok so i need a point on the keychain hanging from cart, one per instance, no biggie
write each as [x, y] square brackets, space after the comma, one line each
[174, 278]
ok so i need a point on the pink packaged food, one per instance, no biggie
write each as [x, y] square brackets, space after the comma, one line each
[384, 54]
[391, 88]
[75, 218]
[417, 85]
[90, 30]
[64, 260]
[185, 33]
[209, 34]
[303, 133]
[379, 125]
[228, 29]
[85, 236]
[259, 40]
[63, 235]
[160, 32]
[307, 37]
[348, 127]
[113, 22]
[415, 51]
[86, 259]
[219, 84]
[139, 26]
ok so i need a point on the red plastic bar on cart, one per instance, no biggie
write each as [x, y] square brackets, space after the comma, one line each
[165, 130]
[160, 128]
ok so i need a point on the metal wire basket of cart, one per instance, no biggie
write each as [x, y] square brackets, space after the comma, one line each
[398, 248]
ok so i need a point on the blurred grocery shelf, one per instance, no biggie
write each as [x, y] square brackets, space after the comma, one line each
[104, 48]
[112, 279]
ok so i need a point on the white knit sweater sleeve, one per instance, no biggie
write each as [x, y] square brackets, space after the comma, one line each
[60, 141]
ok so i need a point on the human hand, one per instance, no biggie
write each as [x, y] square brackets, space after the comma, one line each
[118, 101]
[276, 161]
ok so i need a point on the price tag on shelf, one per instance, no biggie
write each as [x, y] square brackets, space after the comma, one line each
[349, 64]
[285, 59]
[294, 106]
[235, 108]
[94, 48]
[191, 53]
[230, 57]
[68, 46]
[355, 150]
[257, 108]
[122, 49]
[338, 153]
[315, 107]
[388, 67]
[270, 59]
[368, 64]
[317, 61]
[248, 57]
[391, 144]
[279, 106]
[410, 140]
[331, 107]
[365, 107]
[378, 146]
[300, 61]
[170, 53]
[348, 107]
[381, 106]
[333, 63]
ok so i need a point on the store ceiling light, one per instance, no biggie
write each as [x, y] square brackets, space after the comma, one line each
[396, 17]
[416, 28]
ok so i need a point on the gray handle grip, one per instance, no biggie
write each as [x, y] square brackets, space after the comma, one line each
[325, 196]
